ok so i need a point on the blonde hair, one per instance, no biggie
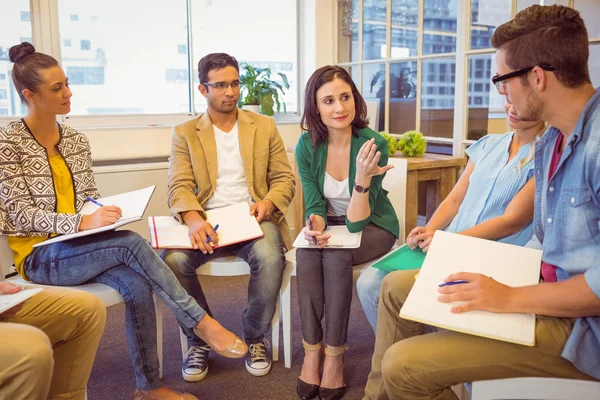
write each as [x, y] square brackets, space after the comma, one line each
[531, 153]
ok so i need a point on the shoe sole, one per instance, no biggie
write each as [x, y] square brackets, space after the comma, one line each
[194, 377]
[258, 372]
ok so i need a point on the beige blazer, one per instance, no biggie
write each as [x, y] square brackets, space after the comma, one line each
[193, 166]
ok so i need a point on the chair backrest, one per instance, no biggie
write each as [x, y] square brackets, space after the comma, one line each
[6, 258]
[395, 183]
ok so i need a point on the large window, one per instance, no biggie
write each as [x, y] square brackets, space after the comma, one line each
[405, 56]
[147, 64]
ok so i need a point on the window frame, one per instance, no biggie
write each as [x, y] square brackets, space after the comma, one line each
[46, 38]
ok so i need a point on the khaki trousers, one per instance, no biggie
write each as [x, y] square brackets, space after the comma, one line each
[48, 346]
[414, 361]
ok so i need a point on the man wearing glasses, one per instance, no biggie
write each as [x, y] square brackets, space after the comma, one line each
[223, 157]
[542, 64]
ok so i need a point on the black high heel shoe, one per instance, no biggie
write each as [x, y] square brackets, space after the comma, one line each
[336, 393]
[307, 391]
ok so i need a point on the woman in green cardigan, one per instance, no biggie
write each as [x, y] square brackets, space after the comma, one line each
[341, 163]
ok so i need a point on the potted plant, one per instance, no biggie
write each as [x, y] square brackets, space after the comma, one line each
[259, 90]
[392, 143]
[412, 144]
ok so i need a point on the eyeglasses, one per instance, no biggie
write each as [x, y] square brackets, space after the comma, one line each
[235, 85]
[499, 81]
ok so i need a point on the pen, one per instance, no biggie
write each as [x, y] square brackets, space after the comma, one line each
[452, 283]
[96, 202]
[214, 230]
[309, 224]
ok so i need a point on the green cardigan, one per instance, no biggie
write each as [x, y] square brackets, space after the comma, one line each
[311, 166]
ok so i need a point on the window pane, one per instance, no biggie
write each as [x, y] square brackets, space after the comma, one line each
[373, 91]
[437, 108]
[237, 30]
[594, 65]
[14, 25]
[348, 31]
[405, 14]
[403, 96]
[485, 106]
[374, 25]
[486, 16]
[523, 4]
[404, 43]
[440, 15]
[436, 44]
[119, 62]
[590, 12]
[353, 71]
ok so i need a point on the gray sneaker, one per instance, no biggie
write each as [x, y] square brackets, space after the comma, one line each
[195, 365]
[258, 359]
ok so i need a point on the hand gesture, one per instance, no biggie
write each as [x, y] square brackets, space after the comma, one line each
[105, 215]
[262, 210]
[199, 231]
[481, 293]
[315, 235]
[420, 237]
[367, 161]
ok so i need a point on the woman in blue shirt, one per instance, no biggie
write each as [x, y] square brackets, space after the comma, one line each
[493, 199]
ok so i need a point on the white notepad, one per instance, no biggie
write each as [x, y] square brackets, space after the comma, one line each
[450, 253]
[341, 238]
[236, 225]
[132, 204]
[8, 301]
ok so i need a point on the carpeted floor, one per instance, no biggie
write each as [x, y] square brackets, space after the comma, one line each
[113, 378]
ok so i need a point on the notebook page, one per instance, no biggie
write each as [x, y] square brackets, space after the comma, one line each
[171, 234]
[340, 237]
[450, 253]
[235, 224]
[132, 204]
[8, 301]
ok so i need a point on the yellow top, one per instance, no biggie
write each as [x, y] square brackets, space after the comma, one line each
[65, 203]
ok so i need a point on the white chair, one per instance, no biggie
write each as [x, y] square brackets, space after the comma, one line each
[233, 266]
[535, 389]
[395, 183]
[106, 294]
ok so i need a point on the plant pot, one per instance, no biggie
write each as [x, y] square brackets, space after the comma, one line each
[251, 107]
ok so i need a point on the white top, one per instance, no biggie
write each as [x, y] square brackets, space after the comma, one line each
[337, 195]
[231, 179]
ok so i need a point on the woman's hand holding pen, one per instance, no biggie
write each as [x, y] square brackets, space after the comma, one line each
[313, 231]
[420, 237]
[105, 215]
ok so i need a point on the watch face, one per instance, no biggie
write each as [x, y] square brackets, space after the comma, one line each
[360, 189]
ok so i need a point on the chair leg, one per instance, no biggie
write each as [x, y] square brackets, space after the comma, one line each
[286, 313]
[159, 335]
[184, 343]
[275, 333]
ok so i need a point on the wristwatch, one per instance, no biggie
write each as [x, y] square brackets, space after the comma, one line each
[361, 189]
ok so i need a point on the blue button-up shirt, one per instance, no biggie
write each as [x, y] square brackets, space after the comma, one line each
[567, 222]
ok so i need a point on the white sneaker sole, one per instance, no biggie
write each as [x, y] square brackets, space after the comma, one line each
[258, 372]
[194, 377]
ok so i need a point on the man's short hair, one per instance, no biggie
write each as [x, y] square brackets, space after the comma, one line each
[215, 61]
[554, 35]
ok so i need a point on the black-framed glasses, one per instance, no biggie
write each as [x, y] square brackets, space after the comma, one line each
[235, 85]
[498, 80]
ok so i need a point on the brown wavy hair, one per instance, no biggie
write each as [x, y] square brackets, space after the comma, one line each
[311, 120]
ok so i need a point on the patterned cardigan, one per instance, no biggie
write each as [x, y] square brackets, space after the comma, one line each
[27, 194]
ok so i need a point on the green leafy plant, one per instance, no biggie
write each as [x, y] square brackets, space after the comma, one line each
[392, 142]
[259, 89]
[412, 144]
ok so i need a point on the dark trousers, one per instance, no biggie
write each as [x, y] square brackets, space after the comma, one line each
[324, 281]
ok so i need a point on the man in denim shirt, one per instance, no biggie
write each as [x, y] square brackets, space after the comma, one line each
[541, 60]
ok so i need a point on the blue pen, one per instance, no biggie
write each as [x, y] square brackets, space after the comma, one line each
[96, 202]
[452, 283]
[214, 230]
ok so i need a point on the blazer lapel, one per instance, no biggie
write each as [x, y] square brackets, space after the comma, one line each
[246, 132]
[206, 134]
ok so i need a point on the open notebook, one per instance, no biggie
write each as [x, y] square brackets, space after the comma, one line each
[132, 204]
[341, 238]
[8, 301]
[235, 225]
[450, 253]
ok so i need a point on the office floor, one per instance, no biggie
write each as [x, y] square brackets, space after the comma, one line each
[113, 378]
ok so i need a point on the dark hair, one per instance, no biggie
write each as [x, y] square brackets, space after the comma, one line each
[215, 61]
[554, 35]
[311, 120]
[28, 63]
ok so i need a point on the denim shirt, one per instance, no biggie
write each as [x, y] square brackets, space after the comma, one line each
[567, 222]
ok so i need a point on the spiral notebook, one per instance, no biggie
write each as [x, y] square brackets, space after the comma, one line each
[450, 253]
[341, 238]
[132, 204]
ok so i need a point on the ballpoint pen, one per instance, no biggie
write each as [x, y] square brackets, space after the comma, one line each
[452, 283]
[96, 202]
[214, 230]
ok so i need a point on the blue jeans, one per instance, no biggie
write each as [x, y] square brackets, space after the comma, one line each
[124, 261]
[368, 287]
[267, 262]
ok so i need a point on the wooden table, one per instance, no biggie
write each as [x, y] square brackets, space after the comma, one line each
[439, 172]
